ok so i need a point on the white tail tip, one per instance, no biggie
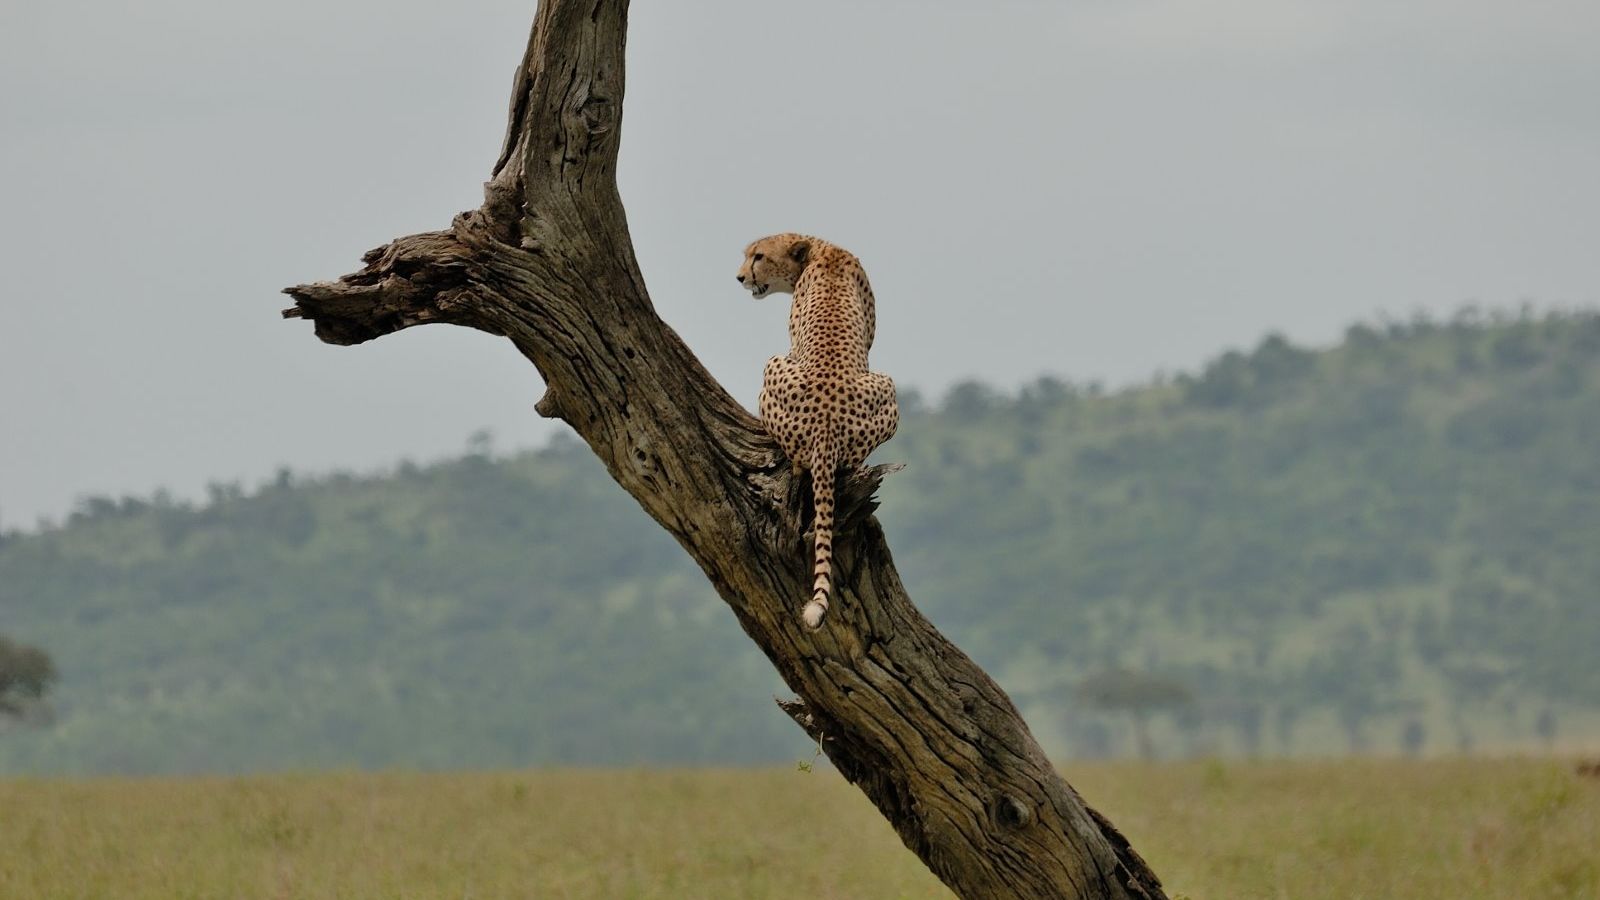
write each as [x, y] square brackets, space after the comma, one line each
[813, 614]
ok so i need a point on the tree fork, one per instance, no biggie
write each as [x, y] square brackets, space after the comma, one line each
[548, 263]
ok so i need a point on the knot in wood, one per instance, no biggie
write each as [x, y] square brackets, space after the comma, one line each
[549, 406]
[1012, 813]
[598, 115]
[642, 454]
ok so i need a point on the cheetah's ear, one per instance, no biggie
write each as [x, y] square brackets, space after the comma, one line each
[800, 251]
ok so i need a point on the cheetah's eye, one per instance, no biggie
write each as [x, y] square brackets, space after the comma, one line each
[758, 257]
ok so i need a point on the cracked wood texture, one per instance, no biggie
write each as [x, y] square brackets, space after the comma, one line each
[547, 262]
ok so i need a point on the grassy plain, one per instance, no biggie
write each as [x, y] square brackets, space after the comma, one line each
[1335, 829]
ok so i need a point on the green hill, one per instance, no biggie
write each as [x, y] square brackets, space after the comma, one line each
[1392, 542]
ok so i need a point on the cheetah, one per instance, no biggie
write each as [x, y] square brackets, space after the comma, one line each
[821, 404]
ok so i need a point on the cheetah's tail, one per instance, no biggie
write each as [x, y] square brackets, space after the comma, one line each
[822, 489]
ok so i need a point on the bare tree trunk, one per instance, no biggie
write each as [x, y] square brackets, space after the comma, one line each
[547, 262]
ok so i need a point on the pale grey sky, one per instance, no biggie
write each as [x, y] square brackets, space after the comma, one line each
[1091, 188]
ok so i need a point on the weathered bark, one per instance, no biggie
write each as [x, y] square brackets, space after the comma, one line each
[547, 262]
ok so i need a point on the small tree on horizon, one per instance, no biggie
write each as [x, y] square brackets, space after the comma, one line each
[26, 674]
[1413, 737]
[1545, 725]
[1139, 694]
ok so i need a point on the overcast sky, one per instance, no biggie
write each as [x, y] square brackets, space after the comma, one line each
[1089, 188]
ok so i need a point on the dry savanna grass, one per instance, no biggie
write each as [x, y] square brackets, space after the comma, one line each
[1337, 829]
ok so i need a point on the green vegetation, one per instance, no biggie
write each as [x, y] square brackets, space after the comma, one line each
[26, 673]
[1139, 694]
[1389, 545]
[1464, 829]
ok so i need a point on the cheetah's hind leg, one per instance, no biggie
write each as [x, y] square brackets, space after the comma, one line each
[884, 411]
[780, 394]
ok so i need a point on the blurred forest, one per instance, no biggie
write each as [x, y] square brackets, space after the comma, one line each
[1387, 546]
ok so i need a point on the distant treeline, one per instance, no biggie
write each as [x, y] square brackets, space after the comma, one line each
[1385, 545]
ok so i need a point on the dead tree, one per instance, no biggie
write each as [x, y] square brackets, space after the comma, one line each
[547, 262]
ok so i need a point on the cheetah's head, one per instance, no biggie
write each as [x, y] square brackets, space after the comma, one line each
[772, 265]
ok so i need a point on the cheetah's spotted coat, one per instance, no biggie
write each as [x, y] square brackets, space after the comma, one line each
[826, 410]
